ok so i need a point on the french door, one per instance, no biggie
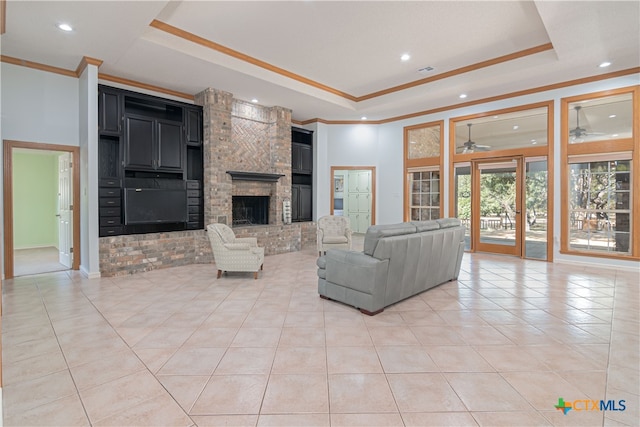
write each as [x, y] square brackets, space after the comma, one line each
[496, 208]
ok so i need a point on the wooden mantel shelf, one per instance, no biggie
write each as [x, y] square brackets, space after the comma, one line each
[255, 176]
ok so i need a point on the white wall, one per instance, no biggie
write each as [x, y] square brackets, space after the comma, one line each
[39, 106]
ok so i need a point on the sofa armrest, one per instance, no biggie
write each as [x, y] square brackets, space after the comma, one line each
[357, 271]
[238, 246]
[252, 241]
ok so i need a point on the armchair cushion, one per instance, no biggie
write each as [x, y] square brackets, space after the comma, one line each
[238, 246]
[335, 239]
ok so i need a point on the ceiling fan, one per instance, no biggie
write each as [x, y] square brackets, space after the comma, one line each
[578, 132]
[471, 147]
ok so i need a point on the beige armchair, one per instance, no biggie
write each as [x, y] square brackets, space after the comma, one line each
[333, 232]
[233, 253]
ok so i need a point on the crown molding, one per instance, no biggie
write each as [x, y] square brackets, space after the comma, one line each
[84, 62]
[140, 85]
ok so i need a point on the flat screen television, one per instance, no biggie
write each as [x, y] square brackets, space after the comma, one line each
[154, 205]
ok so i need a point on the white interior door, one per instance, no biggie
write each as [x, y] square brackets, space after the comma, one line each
[65, 212]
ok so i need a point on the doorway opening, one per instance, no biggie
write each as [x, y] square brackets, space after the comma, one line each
[41, 208]
[353, 194]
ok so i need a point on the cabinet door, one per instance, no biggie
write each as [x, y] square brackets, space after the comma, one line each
[305, 213]
[193, 122]
[139, 144]
[295, 202]
[364, 202]
[296, 161]
[109, 112]
[306, 159]
[169, 146]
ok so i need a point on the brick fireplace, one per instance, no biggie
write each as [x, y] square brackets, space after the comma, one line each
[250, 140]
[247, 152]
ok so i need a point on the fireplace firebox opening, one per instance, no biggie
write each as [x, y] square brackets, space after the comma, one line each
[250, 210]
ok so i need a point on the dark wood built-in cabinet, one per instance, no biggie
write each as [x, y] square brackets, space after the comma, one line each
[301, 174]
[150, 163]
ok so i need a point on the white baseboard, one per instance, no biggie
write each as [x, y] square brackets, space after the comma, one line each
[88, 275]
[624, 265]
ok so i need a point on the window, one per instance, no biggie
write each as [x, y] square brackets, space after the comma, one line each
[524, 128]
[600, 205]
[424, 194]
[599, 178]
[422, 167]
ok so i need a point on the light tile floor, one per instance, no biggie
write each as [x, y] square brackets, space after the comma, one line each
[178, 347]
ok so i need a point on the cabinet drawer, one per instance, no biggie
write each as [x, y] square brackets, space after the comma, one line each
[109, 201]
[194, 226]
[109, 183]
[110, 221]
[110, 231]
[109, 192]
[193, 193]
[193, 185]
[110, 211]
[194, 201]
[194, 218]
[194, 209]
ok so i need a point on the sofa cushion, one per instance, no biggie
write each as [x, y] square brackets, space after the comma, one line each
[377, 232]
[448, 222]
[426, 225]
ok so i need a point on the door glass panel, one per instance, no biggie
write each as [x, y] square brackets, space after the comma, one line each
[536, 209]
[462, 198]
[498, 204]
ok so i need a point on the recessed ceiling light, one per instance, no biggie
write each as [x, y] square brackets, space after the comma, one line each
[255, 101]
[412, 142]
[462, 96]
[65, 27]
[604, 64]
[615, 135]
[612, 116]
[516, 127]
[534, 142]
[495, 117]
[405, 57]
[363, 118]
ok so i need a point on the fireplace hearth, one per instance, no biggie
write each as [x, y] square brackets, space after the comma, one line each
[250, 210]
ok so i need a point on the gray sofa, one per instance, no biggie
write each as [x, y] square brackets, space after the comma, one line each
[398, 261]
